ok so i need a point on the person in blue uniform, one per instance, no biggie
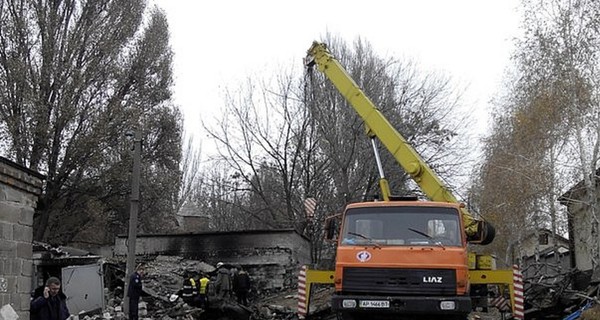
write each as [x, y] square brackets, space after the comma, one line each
[135, 291]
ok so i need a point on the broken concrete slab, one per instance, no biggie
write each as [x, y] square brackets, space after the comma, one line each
[8, 313]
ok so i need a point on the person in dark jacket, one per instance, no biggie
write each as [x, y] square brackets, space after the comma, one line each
[241, 286]
[135, 291]
[223, 282]
[51, 304]
[189, 292]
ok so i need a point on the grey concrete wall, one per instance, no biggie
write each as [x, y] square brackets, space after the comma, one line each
[265, 246]
[274, 256]
[19, 190]
[582, 229]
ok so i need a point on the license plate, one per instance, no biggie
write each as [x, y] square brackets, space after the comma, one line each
[374, 304]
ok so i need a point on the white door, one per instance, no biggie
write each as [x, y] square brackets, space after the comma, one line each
[84, 287]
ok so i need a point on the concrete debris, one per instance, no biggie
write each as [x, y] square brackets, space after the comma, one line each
[8, 313]
[273, 294]
[164, 278]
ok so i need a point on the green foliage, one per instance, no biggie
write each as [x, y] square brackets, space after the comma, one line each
[75, 77]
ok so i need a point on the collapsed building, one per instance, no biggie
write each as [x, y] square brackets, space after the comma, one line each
[560, 277]
[270, 256]
[94, 283]
[544, 253]
[83, 275]
[93, 278]
[581, 207]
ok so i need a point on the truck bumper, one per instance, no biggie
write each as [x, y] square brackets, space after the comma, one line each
[401, 304]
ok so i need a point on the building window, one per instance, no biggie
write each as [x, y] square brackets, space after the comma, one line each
[543, 239]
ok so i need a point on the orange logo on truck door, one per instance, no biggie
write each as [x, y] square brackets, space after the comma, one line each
[363, 256]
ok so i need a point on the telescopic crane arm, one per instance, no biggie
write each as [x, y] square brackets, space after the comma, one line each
[478, 231]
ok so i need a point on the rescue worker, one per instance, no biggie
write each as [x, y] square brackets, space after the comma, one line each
[223, 282]
[51, 304]
[241, 286]
[232, 273]
[203, 291]
[135, 291]
[189, 292]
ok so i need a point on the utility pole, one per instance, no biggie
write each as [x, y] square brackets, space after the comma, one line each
[133, 214]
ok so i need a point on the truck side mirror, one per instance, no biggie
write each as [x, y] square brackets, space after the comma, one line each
[330, 228]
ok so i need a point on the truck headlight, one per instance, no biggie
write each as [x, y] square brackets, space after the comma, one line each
[447, 305]
[349, 303]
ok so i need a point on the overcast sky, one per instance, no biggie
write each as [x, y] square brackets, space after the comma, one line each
[219, 43]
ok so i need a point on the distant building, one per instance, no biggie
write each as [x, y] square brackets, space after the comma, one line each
[580, 227]
[545, 253]
[542, 241]
[190, 219]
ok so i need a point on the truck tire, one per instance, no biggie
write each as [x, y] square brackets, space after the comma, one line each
[353, 316]
[343, 316]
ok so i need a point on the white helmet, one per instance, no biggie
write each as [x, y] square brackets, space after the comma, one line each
[219, 264]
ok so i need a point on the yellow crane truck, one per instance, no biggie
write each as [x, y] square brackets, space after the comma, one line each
[400, 257]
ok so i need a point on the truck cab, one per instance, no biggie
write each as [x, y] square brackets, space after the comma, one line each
[401, 257]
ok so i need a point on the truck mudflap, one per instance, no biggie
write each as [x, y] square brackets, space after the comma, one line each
[446, 305]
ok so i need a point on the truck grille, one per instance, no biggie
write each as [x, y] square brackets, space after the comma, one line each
[399, 281]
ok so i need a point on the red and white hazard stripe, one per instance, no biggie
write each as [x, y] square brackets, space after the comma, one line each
[500, 302]
[519, 297]
[302, 293]
[310, 204]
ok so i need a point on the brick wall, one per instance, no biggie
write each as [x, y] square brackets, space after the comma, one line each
[19, 190]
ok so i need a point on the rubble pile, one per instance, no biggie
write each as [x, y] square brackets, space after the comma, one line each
[284, 304]
[551, 295]
[544, 299]
[164, 277]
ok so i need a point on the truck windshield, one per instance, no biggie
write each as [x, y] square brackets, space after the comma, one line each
[401, 226]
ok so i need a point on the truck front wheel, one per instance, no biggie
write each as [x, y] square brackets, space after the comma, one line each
[345, 316]
[365, 316]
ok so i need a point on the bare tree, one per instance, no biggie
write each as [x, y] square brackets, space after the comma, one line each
[259, 137]
[546, 132]
[191, 175]
[423, 108]
[300, 139]
[219, 196]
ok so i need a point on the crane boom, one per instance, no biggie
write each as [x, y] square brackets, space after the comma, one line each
[477, 231]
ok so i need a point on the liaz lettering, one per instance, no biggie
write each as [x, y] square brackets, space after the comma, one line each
[432, 279]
